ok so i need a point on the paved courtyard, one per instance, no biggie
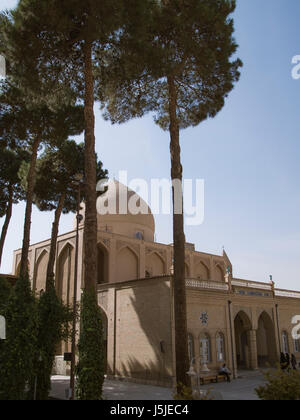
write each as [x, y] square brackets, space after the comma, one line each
[240, 389]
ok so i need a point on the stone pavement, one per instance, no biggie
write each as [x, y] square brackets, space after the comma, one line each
[116, 390]
[240, 389]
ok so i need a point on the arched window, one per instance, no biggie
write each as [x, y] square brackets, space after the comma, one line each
[297, 346]
[285, 342]
[220, 341]
[205, 348]
[191, 347]
[139, 236]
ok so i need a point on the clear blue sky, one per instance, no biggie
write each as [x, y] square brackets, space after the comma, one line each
[248, 156]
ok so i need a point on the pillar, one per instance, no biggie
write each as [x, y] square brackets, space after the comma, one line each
[112, 261]
[252, 343]
[142, 261]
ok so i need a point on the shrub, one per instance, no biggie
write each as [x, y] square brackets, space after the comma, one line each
[187, 394]
[18, 350]
[53, 321]
[280, 386]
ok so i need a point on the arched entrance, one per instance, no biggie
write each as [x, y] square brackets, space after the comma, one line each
[105, 335]
[242, 327]
[102, 277]
[65, 274]
[266, 342]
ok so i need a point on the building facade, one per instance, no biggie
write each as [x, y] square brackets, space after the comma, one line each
[245, 324]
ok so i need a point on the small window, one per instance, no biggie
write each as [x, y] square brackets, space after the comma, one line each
[285, 342]
[139, 236]
[191, 347]
[205, 348]
[220, 347]
[297, 346]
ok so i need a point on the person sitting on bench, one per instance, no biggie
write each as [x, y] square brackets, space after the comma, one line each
[224, 371]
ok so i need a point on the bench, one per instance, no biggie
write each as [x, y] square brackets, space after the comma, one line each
[213, 378]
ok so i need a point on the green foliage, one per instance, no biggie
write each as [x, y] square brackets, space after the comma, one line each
[19, 349]
[53, 36]
[56, 171]
[191, 42]
[184, 393]
[10, 162]
[90, 369]
[5, 290]
[53, 327]
[281, 386]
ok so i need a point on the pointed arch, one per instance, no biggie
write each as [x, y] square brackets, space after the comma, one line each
[202, 271]
[18, 269]
[155, 264]
[127, 264]
[104, 320]
[219, 274]
[67, 243]
[65, 273]
[266, 341]
[242, 326]
[40, 272]
[102, 264]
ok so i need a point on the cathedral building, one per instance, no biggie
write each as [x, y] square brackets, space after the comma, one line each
[245, 324]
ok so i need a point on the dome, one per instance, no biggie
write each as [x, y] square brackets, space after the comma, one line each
[122, 211]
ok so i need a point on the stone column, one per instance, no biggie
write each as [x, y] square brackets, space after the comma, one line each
[230, 339]
[142, 263]
[252, 343]
[168, 261]
[112, 261]
[111, 331]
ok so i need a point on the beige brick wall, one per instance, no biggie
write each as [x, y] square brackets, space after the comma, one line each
[140, 336]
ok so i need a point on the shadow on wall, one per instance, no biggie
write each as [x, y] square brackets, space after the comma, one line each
[146, 372]
[144, 334]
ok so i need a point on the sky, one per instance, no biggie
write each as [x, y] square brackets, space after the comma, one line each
[248, 156]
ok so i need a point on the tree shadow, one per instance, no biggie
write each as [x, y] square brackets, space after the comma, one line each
[144, 332]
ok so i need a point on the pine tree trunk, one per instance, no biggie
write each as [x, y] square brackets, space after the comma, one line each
[181, 342]
[53, 245]
[29, 199]
[90, 228]
[7, 221]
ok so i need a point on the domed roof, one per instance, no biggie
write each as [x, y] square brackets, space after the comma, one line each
[123, 211]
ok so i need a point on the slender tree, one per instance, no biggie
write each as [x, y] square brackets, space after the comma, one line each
[54, 188]
[34, 125]
[57, 168]
[66, 37]
[65, 40]
[43, 116]
[181, 68]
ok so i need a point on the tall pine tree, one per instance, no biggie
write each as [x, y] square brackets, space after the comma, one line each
[64, 38]
[181, 68]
